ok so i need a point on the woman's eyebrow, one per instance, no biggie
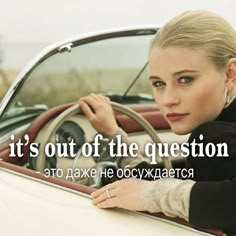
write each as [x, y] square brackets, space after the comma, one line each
[154, 77]
[175, 73]
[184, 71]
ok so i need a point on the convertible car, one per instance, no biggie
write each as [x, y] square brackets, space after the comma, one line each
[45, 178]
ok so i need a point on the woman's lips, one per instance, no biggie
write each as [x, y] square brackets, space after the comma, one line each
[175, 116]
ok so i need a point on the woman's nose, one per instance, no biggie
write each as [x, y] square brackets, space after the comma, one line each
[171, 97]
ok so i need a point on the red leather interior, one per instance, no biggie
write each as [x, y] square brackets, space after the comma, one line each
[153, 117]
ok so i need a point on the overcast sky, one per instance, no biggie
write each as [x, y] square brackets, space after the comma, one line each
[50, 20]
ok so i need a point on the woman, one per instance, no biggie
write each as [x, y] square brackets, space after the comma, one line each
[193, 70]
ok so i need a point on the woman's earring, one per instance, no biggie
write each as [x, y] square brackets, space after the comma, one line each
[227, 98]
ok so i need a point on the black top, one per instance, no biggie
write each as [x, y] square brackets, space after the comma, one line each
[213, 196]
[213, 204]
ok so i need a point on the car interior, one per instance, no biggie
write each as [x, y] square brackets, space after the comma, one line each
[41, 107]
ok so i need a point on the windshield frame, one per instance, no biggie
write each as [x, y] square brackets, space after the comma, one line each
[66, 46]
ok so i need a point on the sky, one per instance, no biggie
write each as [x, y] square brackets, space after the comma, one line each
[28, 26]
[53, 20]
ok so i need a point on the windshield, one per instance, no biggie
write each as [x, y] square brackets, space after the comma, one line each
[116, 67]
[107, 67]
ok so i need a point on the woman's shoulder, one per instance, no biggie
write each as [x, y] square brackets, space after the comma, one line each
[213, 151]
[214, 130]
[215, 125]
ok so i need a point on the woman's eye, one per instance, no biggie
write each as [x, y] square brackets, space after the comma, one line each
[185, 79]
[158, 84]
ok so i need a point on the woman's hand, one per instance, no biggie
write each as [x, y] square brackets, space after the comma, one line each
[125, 193]
[99, 112]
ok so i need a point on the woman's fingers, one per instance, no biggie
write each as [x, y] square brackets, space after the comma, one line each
[124, 193]
[105, 196]
[99, 112]
[105, 99]
[109, 203]
[96, 101]
[101, 190]
[105, 193]
[87, 110]
[91, 100]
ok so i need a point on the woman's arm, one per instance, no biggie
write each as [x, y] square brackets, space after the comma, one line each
[170, 196]
[99, 112]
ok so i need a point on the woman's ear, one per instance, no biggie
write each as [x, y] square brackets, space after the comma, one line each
[231, 73]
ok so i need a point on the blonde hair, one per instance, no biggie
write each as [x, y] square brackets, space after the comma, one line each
[202, 30]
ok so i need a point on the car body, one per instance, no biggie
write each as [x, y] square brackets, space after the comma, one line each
[113, 63]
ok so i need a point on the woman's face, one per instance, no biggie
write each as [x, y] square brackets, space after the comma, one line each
[188, 89]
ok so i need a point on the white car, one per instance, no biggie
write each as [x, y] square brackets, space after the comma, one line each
[40, 192]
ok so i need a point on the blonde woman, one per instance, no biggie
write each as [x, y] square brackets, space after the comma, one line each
[193, 71]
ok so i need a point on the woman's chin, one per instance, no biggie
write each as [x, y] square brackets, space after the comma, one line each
[180, 130]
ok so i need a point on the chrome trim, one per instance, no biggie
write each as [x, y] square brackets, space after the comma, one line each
[65, 48]
[67, 45]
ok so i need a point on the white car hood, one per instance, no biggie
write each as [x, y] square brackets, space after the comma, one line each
[29, 207]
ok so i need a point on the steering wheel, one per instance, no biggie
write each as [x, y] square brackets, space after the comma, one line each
[58, 121]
